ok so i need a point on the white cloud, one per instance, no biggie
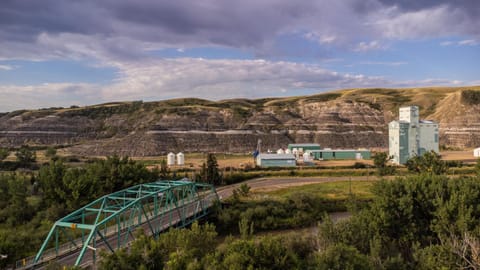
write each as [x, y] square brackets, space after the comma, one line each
[392, 64]
[219, 79]
[6, 67]
[468, 42]
[446, 43]
[432, 82]
[369, 46]
[210, 79]
[188, 77]
[429, 22]
[47, 95]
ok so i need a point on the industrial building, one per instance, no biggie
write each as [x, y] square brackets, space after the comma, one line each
[276, 160]
[409, 136]
[303, 147]
[330, 154]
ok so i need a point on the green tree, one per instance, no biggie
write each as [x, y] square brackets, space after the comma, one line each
[50, 179]
[25, 155]
[380, 160]
[342, 257]
[429, 163]
[4, 152]
[209, 172]
[50, 152]
[164, 171]
[19, 211]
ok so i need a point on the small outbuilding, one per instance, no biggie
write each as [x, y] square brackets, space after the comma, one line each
[476, 152]
[276, 160]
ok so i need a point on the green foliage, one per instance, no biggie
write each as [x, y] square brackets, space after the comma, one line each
[25, 155]
[244, 189]
[164, 171]
[380, 160]
[470, 97]
[77, 186]
[4, 152]
[298, 210]
[429, 163]
[245, 228]
[411, 221]
[265, 253]
[175, 249]
[50, 152]
[15, 209]
[210, 172]
[342, 257]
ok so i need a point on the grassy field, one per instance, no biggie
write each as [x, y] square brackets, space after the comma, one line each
[326, 191]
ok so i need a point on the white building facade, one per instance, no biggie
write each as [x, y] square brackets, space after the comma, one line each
[476, 152]
[410, 136]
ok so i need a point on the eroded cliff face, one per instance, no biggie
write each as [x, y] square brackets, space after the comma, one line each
[459, 122]
[348, 119]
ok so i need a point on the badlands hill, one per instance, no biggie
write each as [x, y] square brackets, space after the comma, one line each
[349, 118]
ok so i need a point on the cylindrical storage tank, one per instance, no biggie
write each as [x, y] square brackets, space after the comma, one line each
[294, 151]
[280, 151]
[180, 159]
[171, 159]
[287, 151]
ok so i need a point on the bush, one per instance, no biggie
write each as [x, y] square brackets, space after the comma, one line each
[470, 97]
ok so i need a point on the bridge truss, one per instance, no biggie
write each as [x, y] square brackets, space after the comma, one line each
[109, 222]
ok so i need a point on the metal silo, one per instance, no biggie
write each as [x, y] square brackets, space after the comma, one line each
[180, 159]
[171, 159]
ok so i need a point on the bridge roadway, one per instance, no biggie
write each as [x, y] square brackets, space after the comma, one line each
[169, 218]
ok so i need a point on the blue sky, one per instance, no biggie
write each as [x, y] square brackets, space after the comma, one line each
[63, 53]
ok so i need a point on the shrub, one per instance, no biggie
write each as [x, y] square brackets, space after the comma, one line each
[470, 97]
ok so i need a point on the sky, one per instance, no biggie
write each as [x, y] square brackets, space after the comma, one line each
[80, 52]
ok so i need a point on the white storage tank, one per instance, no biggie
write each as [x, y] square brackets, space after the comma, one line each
[171, 159]
[287, 151]
[280, 151]
[180, 159]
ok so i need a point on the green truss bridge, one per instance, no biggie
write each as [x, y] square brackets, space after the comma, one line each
[109, 222]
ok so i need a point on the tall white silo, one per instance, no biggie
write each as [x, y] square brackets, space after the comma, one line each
[180, 159]
[171, 159]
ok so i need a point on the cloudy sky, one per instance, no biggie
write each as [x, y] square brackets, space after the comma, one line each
[80, 52]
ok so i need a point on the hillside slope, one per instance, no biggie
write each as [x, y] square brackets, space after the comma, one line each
[346, 119]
